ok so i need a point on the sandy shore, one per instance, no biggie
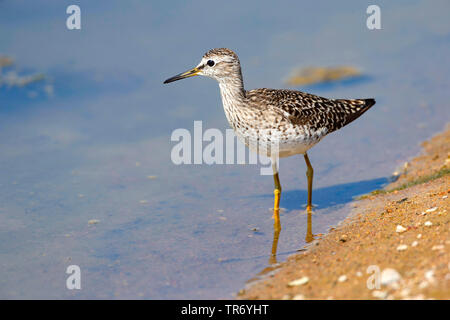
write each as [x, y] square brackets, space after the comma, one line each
[394, 245]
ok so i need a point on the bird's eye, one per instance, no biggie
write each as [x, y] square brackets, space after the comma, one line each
[210, 63]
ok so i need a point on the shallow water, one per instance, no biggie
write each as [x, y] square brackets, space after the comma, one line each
[86, 150]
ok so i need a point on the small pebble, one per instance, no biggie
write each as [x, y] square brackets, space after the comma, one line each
[342, 278]
[414, 244]
[428, 224]
[438, 247]
[93, 221]
[359, 274]
[419, 236]
[400, 229]
[402, 247]
[298, 282]
[431, 210]
[389, 276]
[429, 275]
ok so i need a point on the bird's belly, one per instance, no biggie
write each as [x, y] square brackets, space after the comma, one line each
[286, 143]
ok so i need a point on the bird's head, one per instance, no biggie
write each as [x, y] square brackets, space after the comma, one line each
[220, 64]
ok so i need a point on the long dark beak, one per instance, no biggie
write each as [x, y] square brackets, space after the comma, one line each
[187, 74]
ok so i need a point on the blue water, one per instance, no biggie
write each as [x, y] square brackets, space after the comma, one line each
[85, 149]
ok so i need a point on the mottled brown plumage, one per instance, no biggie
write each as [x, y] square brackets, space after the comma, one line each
[302, 108]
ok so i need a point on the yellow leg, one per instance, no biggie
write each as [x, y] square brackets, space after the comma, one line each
[309, 175]
[276, 192]
[309, 235]
[276, 214]
[277, 196]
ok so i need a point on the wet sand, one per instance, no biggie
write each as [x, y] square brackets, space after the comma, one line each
[394, 244]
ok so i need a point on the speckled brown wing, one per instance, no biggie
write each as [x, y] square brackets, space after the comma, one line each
[304, 109]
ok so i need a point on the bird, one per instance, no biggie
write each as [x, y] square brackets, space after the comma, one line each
[277, 123]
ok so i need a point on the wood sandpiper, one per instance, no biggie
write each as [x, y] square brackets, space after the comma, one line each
[293, 121]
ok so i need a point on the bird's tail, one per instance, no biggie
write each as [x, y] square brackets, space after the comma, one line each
[354, 108]
[368, 103]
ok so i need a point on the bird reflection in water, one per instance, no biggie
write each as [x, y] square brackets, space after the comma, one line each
[277, 229]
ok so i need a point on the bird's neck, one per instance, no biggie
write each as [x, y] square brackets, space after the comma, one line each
[233, 95]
